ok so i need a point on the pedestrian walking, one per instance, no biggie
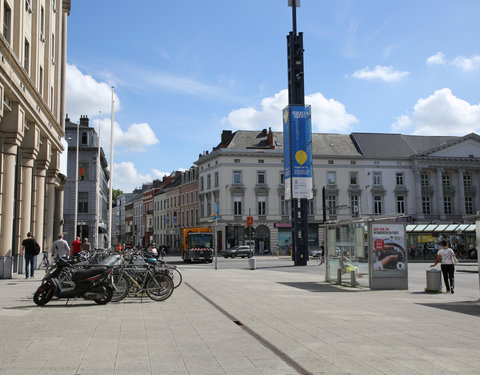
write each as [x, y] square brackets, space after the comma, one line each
[60, 247]
[28, 249]
[86, 245]
[445, 257]
[76, 246]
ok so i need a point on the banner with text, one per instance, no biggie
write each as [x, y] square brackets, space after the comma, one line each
[297, 141]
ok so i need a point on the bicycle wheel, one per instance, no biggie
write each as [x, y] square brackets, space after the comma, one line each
[176, 277]
[122, 283]
[159, 287]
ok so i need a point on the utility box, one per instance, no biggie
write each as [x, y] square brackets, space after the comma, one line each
[6, 264]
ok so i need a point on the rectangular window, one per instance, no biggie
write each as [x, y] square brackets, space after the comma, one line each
[426, 206]
[310, 207]
[400, 204]
[237, 177]
[354, 205]
[209, 181]
[331, 178]
[209, 206]
[42, 24]
[332, 205]
[83, 171]
[261, 161]
[353, 178]
[282, 178]
[201, 183]
[283, 206]
[261, 206]
[236, 160]
[467, 180]
[216, 179]
[191, 197]
[7, 21]
[447, 205]
[446, 181]
[425, 180]
[260, 177]
[237, 206]
[377, 205]
[52, 47]
[330, 162]
[40, 81]
[399, 179]
[83, 203]
[377, 178]
[26, 56]
[469, 205]
[84, 138]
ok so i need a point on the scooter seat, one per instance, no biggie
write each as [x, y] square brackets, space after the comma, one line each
[85, 274]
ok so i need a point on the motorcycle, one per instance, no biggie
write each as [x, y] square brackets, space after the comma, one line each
[91, 284]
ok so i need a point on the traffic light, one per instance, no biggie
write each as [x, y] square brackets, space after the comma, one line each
[250, 232]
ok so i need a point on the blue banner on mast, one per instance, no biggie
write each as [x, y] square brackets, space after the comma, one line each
[297, 140]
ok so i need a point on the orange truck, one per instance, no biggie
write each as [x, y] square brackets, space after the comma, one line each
[197, 245]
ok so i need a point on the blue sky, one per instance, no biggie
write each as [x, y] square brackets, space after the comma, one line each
[183, 70]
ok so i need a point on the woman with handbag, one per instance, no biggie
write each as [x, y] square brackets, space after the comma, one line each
[447, 258]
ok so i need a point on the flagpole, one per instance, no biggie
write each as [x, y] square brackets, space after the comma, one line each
[111, 180]
[98, 181]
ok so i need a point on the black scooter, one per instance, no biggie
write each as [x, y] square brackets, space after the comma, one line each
[92, 284]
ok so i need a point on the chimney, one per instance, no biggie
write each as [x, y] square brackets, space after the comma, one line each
[226, 138]
[270, 138]
[84, 121]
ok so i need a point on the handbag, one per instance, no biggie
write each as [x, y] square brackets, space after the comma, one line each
[454, 259]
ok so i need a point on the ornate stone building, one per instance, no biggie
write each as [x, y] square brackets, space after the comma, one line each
[32, 111]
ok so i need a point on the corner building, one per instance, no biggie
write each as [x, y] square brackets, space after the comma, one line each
[32, 109]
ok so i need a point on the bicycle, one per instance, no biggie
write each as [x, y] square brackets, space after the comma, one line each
[45, 264]
[134, 281]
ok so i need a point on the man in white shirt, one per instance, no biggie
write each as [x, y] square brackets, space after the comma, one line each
[60, 247]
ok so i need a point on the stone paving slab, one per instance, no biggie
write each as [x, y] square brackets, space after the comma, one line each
[324, 328]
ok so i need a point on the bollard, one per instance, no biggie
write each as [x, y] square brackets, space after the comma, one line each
[353, 279]
[339, 276]
[252, 263]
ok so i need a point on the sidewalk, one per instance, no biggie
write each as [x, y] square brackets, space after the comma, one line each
[238, 321]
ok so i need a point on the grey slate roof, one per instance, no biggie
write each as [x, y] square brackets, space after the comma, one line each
[322, 143]
[385, 145]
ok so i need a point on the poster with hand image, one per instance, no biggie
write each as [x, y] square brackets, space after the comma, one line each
[388, 248]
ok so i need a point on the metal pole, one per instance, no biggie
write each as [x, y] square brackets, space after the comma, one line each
[98, 181]
[76, 188]
[109, 245]
[216, 243]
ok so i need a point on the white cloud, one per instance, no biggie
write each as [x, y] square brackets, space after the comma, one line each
[86, 96]
[328, 115]
[467, 64]
[158, 175]
[383, 73]
[437, 59]
[442, 113]
[127, 178]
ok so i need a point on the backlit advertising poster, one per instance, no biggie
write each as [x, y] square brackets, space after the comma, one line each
[388, 246]
[297, 141]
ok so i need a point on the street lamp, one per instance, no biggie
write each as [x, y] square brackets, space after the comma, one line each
[76, 188]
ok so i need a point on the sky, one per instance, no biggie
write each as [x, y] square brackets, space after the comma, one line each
[184, 70]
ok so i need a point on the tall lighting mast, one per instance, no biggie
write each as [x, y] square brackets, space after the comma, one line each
[297, 144]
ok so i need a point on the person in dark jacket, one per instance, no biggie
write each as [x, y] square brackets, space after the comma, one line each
[28, 249]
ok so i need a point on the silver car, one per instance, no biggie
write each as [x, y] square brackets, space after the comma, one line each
[240, 251]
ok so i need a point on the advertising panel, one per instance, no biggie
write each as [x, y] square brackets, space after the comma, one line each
[388, 250]
[297, 140]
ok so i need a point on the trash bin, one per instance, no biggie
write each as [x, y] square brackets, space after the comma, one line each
[434, 280]
[252, 263]
[6, 265]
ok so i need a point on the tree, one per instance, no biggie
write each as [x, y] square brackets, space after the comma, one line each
[115, 194]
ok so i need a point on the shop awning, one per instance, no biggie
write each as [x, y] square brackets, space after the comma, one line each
[437, 228]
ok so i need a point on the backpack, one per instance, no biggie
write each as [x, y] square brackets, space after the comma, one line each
[36, 248]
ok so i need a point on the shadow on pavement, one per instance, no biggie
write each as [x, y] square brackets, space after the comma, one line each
[316, 287]
[466, 307]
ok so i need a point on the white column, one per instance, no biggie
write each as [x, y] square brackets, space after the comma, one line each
[39, 203]
[26, 196]
[50, 211]
[418, 194]
[461, 192]
[439, 192]
[8, 202]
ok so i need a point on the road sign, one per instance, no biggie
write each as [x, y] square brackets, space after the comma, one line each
[250, 231]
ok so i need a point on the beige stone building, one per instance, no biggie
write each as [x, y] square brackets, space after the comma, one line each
[32, 112]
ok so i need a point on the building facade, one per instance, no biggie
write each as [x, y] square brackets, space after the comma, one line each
[364, 175]
[32, 109]
[92, 200]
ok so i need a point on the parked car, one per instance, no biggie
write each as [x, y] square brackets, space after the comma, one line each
[315, 253]
[240, 251]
